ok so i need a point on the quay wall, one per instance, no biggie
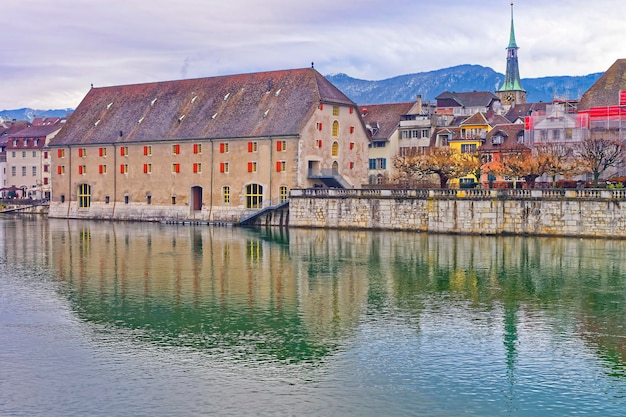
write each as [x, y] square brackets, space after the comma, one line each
[159, 213]
[583, 213]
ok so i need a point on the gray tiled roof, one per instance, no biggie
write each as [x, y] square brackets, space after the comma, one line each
[469, 99]
[385, 117]
[605, 91]
[245, 105]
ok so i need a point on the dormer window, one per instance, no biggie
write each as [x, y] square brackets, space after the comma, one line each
[497, 140]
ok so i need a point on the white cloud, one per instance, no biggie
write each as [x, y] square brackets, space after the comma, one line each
[58, 49]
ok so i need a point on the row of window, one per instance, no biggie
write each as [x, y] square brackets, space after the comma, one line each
[281, 166]
[378, 163]
[254, 195]
[335, 128]
[34, 154]
[414, 133]
[253, 146]
[25, 170]
[35, 142]
[335, 109]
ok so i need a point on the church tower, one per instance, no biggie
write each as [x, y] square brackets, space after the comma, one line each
[511, 92]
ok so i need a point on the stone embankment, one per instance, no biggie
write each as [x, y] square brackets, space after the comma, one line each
[581, 213]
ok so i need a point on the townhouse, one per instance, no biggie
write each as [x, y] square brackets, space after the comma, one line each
[28, 159]
[395, 129]
[6, 128]
[214, 149]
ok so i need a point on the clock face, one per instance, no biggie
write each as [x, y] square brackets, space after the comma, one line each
[510, 97]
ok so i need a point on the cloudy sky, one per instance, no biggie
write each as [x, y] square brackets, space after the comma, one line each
[53, 50]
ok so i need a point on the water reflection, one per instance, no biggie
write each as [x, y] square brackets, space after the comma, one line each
[301, 295]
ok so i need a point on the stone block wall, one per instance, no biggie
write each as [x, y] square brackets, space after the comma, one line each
[588, 213]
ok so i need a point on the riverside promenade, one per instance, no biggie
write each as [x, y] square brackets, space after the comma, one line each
[597, 213]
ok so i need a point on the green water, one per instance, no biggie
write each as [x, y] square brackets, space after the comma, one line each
[134, 319]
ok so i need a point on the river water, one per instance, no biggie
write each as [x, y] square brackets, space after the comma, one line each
[138, 319]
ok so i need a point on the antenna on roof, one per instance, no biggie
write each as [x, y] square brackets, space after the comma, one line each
[312, 64]
[91, 85]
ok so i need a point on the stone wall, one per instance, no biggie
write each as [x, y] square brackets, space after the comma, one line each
[169, 213]
[588, 213]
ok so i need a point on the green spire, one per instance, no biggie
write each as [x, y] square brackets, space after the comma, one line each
[512, 43]
[512, 80]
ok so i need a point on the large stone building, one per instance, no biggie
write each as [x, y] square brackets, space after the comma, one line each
[214, 149]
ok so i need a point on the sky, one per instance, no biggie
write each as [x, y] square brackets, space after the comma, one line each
[52, 51]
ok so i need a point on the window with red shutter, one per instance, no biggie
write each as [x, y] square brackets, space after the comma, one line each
[221, 166]
[60, 153]
[249, 146]
[221, 147]
[80, 152]
[278, 166]
[59, 170]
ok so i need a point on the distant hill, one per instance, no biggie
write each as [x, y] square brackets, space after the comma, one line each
[30, 114]
[461, 78]
[405, 88]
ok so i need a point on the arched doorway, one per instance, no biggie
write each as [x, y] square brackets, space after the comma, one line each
[254, 196]
[335, 168]
[84, 195]
[196, 198]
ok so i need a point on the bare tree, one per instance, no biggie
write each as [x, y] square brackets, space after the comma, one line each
[444, 162]
[557, 160]
[522, 164]
[596, 155]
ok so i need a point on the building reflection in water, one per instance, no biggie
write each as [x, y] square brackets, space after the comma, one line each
[299, 295]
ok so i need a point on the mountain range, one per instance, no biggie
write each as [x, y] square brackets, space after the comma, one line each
[462, 78]
[405, 88]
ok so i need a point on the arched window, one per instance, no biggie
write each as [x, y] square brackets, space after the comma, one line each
[335, 128]
[335, 149]
[254, 196]
[335, 168]
[84, 195]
